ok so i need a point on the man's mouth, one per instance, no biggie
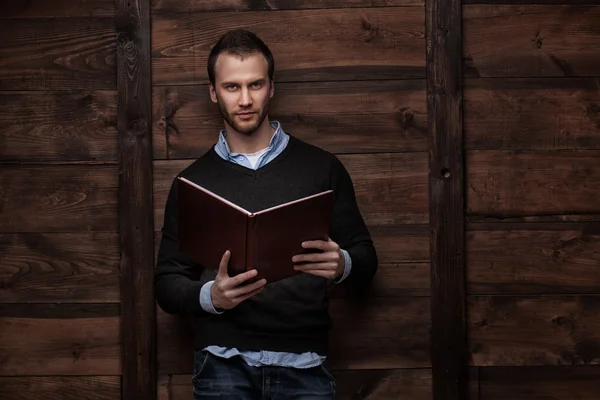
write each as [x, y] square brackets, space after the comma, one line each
[245, 115]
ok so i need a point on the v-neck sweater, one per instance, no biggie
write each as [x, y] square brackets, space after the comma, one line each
[290, 315]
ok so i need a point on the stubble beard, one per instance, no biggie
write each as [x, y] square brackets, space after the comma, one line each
[247, 130]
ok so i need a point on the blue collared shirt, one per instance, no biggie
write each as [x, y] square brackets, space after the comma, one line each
[259, 358]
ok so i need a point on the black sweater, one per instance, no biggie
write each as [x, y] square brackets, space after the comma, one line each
[290, 315]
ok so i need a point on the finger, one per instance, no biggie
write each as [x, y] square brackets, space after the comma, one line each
[329, 274]
[320, 244]
[241, 278]
[222, 272]
[316, 257]
[243, 290]
[248, 295]
[316, 267]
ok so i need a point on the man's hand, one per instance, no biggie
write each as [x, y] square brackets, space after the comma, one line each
[328, 264]
[225, 293]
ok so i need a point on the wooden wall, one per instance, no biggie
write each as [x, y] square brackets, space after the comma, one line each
[350, 77]
[59, 252]
[532, 151]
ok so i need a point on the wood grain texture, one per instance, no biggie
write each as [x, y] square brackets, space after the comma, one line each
[446, 199]
[64, 339]
[308, 45]
[136, 231]
[61, 387]
[503, 184]
[391, 189]
[528, 113]
[540, 383]
[534, 330]
[165, 6]
[341, 117]
[531, 40]
[57, 8]
[64, 267]
[531, 258]
[413, 384]
[391, 333]
[58, 198]
[58, 126]
[76, 53]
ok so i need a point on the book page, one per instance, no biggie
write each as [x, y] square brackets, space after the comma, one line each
[292, 202]
[229, 203]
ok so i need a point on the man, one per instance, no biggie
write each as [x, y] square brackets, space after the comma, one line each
[262, 340]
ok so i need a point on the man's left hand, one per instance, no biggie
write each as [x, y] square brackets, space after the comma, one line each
[329, 263]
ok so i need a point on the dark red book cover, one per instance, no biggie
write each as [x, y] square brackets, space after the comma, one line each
[265, 240]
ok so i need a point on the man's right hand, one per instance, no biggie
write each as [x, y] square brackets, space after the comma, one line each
[226, 292]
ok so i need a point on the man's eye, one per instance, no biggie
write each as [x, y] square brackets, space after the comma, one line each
[231, 87]
[256, 85]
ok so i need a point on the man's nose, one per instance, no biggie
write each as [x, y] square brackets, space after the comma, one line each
[245, 98]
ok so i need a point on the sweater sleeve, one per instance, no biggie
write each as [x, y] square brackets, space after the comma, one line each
[177, 278]
[349, 230]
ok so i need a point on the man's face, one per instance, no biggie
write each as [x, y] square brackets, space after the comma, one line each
[242, 90]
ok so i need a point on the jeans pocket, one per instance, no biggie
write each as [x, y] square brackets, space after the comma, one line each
[200, 359]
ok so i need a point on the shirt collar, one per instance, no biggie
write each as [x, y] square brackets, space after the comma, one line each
[222, 148]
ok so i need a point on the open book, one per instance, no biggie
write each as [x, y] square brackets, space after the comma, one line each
[265, 240]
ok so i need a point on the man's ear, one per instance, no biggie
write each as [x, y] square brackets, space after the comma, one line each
[272, 89]
[212, 92]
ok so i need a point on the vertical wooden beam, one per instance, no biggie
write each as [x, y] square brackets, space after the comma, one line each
[135, 199]
[446, 199]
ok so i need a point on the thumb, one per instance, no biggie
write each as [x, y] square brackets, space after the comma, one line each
[222, 273]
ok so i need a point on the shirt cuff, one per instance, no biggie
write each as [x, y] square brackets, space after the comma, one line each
[206, 300]
[347, 267]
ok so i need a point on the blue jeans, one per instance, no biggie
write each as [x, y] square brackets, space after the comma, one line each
[233, 379]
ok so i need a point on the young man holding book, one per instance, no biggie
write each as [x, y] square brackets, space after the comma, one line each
[261, 339]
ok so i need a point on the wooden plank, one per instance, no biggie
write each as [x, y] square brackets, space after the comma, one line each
[413, 384]
[390, 333]
[448, 355]
[308, 45]
[391, 189]
[60, 339]
[348, 117]
[160, 123]
[64, 267]
[135, 199]
[531, 40]
[57, 9]
[532, 258]
[73, 54]
[166, 6]
[534, 330]
[504, 184]
[545, 2]
[61, 387]
[540, 383]
[58, 126]
[526, 113]
[58, 198]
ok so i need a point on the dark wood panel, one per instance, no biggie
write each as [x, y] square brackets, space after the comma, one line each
[69, 54]
[136, 229]
[163, 6]
[506, 184]
[67, 339]
[534, 260]
[367, 334]
[540, 383]
[391, 188]
[525, 113]
[450, 377]
[528, 330]
[531, 40]
[160, 130]
[342, 117]
[545, 2]
[413, 384]
[58, 126]
[58, 198]
[61, 387]
[57, 8]
[82, 267]
[336, 44]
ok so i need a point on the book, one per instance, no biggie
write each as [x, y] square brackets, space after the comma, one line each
[265, 240]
